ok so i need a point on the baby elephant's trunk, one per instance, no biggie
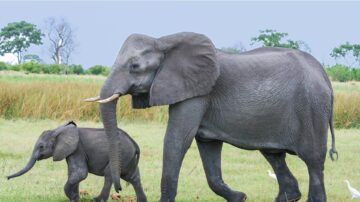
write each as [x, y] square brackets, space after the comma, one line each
[28, 166]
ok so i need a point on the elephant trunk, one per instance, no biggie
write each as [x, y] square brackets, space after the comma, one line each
[108, 113]
[116, 85]
[28, 166]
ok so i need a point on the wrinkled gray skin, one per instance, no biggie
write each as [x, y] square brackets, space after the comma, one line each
[86, 151]
[274, 100]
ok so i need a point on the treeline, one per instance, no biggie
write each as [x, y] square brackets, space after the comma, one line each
[336, 72]
[37, 68]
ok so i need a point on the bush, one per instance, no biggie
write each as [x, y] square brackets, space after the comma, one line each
[339, 73]
[35, 67]
[3, 66]
[31, 67]
[355, 73]
[75, 69]
[14, 67]
[98, 69]
[52, 69]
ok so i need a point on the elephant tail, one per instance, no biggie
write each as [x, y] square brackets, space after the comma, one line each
[137, 153]
[332, 151]
[136, 157]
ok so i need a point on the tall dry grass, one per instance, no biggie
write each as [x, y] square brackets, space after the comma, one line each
[347, 110]
[59, 100]
[60, 97]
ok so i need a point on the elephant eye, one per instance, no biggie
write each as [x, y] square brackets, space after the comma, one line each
[134, 66]
[41, 146]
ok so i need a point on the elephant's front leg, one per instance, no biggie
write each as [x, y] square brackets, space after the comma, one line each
[72, 191]
[184, 121]
[77, 171]
[105, 192]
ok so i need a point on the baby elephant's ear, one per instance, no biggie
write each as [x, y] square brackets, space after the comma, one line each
[67, 139]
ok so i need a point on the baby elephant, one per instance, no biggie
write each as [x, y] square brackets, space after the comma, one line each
[86, 151]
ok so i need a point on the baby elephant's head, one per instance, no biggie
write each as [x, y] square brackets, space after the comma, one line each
[58, 143]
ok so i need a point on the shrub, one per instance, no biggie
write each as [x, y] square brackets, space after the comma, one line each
[339, 73]
[14, 67]
[52, 69]
[98, 69]
[3, 66]
[31, 67]
[355, 74]
[75, 69]
[343, 73]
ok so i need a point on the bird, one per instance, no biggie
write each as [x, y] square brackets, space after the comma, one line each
[354, 193]
[272, 175]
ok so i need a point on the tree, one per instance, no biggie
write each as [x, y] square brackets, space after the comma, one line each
[17, 37]
[273, 38]
[32, 58]
[344, 50]
[61, 37]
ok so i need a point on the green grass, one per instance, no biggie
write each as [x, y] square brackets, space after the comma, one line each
[242, 170]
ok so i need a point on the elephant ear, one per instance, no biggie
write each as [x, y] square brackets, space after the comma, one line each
[67, 139]
[189, 68]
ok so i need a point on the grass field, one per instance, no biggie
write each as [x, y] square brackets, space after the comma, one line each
[242, 170]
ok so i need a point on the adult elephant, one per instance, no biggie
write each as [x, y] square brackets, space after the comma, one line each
[274, 100]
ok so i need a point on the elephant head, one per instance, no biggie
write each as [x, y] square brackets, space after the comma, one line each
[156, 71]
[58, 143]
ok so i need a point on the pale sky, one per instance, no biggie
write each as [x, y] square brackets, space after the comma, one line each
[101, 27]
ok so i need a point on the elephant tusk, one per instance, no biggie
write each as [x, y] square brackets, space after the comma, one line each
[109, 99]
[92, 99]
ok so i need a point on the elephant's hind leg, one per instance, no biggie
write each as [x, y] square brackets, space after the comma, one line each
[135, 180]
[315, 164]
[312, 149]
[288, 186]
[210, 153]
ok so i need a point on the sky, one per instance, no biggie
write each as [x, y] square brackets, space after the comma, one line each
[102, 27]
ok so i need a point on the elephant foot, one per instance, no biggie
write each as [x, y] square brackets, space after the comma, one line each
[75, 199]
[288, 196]
[314, 199]
[238, 197]
[99, 199]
